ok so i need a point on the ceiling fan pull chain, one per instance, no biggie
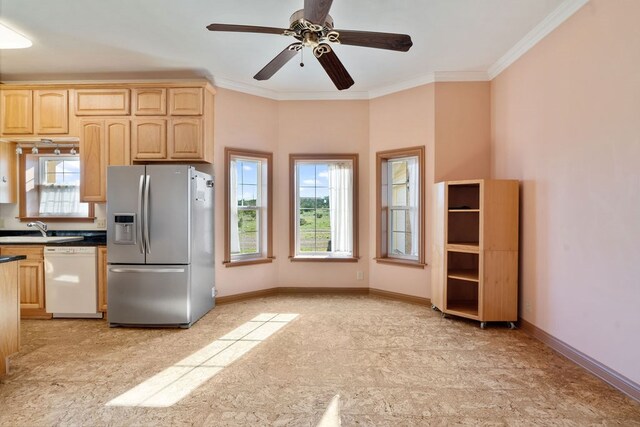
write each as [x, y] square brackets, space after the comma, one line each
[302, 57]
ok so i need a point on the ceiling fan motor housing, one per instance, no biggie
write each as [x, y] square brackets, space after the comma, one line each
[310, 34]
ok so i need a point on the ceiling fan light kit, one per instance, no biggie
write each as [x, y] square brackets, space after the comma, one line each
[312, 27]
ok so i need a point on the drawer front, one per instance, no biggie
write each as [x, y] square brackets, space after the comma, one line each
[32, 252]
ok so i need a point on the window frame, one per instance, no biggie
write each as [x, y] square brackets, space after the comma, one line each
[293, 208]
[22, 188]
[265, 253]
[382, 230]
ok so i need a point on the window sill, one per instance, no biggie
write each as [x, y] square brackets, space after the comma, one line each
[323, 259]
[401, 262]
[254, 261]
[46, 219]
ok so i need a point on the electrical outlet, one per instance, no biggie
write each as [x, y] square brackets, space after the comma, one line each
[101, 223]
[359, 275]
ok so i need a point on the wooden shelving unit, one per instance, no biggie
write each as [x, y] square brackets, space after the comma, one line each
[475, 250]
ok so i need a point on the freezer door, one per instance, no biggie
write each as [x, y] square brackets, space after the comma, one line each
[149, 295]
[124, 197]
[168, 214]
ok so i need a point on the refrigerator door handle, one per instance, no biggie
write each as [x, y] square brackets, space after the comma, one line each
[147, 242]
[140, 214]
[146, 270]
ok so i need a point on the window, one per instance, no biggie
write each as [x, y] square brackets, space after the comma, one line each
[50, 188]
[248, 206]
[324, 201]
[400, 206]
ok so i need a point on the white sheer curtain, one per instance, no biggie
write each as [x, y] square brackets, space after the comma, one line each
[234, 233]
[414, 206]
[61, 200]
[341, 207]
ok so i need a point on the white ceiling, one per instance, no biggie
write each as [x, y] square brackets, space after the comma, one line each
[140, 39]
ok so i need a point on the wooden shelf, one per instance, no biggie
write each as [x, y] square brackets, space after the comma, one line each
[467, 309]
[468, 275]
[463, 210]
[472, 247]
[475, 254]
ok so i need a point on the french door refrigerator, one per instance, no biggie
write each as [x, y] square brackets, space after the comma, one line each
[160, 256]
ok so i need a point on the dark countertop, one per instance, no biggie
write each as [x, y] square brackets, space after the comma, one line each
[91, 237]
[10, 258]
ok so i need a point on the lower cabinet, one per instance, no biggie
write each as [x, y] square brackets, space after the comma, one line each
[31, 279]
[9, 314]
[102, 279]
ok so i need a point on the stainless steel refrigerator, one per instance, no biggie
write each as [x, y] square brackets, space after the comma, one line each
[160, 244]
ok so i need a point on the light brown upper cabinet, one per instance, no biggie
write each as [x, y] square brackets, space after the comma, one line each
[103, 142]
[150, 102]
[17, 112]
[51, 112]
[35, 112]
[102, 102]
[186, 101]
[185, 139]
[149, 139]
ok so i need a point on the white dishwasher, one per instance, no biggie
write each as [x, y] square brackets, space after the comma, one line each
[70, 281]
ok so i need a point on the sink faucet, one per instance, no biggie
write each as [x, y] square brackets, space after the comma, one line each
[40, 226]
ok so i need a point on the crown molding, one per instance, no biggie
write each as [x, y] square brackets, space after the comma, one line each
[565, 10]
[245, 88]
[404, 85]
[461, 76]
[540, 31]
[320, 96]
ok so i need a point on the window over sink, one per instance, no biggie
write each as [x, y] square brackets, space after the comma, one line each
[50, 188]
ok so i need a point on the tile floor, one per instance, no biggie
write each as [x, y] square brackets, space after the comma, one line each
[392, 363]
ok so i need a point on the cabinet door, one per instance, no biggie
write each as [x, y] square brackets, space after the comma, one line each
[118, 142]
[102, 102]
[51, 112]
[185, 101]
[31, 278]
[149, 139]
[102, 279]
[92, 161]
[150, 102]
[17, 112]
[185, 139]
[8, 173]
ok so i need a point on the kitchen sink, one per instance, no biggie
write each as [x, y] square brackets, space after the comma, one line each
[39, 239]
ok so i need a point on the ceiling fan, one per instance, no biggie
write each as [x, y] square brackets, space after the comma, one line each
[313, 27]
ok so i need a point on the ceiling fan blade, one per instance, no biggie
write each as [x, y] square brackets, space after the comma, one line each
[316, 11]
[390, 41]
[245, 29]
[278, 62]
[332, 65]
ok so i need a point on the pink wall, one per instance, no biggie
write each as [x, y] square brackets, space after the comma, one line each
[403, 119]
[321, 127]
[241, 121]
[400, 120]
[462, 130]
[566, 121]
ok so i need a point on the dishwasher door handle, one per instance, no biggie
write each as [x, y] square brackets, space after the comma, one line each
[146, 270]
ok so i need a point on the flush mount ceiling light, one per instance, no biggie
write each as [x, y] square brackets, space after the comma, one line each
[9, 39]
